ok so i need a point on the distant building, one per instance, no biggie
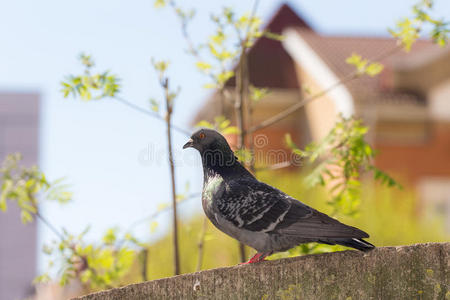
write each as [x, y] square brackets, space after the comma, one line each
[407, 106]
[19, 131]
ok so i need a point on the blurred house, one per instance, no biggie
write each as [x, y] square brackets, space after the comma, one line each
[19, 130]
[407, 106]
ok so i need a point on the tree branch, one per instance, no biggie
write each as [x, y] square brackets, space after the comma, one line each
[151, 114]
[157, 213]
[50, 226]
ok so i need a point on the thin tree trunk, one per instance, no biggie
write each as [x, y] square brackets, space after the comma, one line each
[239, 108]
[201, 245]
[176, 257]
[144, 257]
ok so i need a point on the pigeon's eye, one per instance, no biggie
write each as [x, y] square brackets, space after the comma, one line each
[201, 135]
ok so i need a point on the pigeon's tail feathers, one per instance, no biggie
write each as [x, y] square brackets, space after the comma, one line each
[358, 244]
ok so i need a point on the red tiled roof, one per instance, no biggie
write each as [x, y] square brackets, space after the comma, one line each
[334, 50]
[269, 64]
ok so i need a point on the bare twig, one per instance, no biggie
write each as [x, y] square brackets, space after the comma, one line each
[252, 15]
[190, 43]
[50, 226]
[151, 114]
[241, 93]
[157, 213]
[85, 265]
[285, 113]
[276, 166]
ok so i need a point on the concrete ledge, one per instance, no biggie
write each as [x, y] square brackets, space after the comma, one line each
[408, 272]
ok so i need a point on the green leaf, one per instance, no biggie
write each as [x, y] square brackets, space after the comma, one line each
[222, 123]
[224, 76]
[219, 38]
[44, 278]
[244, 155]
[3, 205]
[406, 32]
[204, 124]
[374, 69]
[357, 61]
[86, 60]
[110, 236]
[154, 105]
[163, 206]
[257, 94]
[26, 217]
[86, 276]
[160, 65]
[7, 186]
[210, 86]
[273, 36]
[159, 3]
[203, 66]
[153, 226]
[231, 130]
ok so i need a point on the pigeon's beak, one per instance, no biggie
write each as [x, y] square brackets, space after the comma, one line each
[189, 144]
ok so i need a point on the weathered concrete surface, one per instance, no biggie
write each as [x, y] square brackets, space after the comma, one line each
[409, 272]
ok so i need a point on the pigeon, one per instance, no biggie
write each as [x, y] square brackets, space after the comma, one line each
[257, 214]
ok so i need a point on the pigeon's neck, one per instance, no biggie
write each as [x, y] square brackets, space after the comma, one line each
[223, 164]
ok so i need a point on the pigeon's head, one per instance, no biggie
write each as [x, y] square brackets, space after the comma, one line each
[207, 139]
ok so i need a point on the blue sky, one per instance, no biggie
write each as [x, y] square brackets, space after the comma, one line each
[113, 157]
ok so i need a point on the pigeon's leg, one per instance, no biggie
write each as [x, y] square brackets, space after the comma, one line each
[258, 257]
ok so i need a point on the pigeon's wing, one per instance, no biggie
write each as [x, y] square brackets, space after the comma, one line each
[315, 225]
[256, 206]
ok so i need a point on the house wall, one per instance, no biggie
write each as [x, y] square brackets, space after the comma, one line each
[439, 101]
[416, 144]
[409, 74]
[320, 113]
[431, 157]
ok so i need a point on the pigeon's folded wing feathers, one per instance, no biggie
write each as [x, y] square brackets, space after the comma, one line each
[316, 225]
[256, 206]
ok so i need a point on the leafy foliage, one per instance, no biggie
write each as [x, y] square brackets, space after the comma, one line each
[97, 266]
[391, 216]
[154, 105]
[344, 157]
[223, 49]
[221, 124]
[408, 30]
[257, 94]
[244, 155]
[24, 185]
[90, 86]
[363, 66]
[161, 67]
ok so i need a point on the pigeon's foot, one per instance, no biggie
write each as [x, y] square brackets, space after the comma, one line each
[258, 257]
